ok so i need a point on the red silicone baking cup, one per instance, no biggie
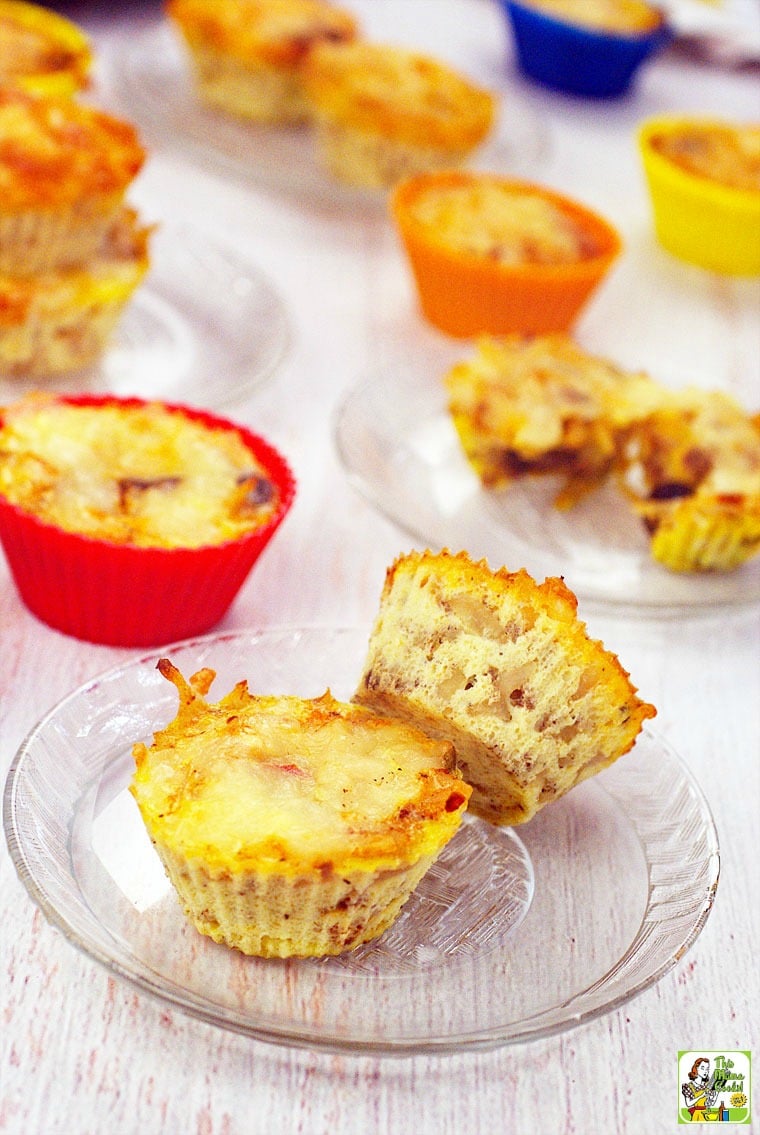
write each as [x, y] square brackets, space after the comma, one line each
[124, 595]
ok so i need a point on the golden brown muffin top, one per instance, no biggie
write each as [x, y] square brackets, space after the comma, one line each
[56, 152]
[279, 33]
[511, 225]
[397, 94]
[288, 785]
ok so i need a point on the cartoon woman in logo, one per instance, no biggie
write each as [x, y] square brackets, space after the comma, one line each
[698, 1092]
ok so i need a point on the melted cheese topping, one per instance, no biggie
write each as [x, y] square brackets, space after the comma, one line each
[57, 152]
[276, 32]
[500, 223]
[398, 94]
[288, 785]
[629, 17]
[729, 155]
[526, 393]
[131, 475]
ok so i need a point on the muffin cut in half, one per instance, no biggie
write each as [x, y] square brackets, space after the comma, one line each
[692, 473]
[383, 112]
[502, 667]
[290, 826]
[64, 171]
[527, 406]
[247, 55]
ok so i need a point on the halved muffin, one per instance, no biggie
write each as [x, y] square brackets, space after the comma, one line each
[526, 406]
[592, 48]
[293, 826]
[501, 666]
[692, 473]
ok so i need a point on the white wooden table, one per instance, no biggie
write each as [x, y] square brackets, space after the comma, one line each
[82, 1053]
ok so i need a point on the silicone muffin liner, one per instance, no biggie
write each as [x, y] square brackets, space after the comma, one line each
[124, 595]
[74, 74]
[708, 534]
[698, 220]
[579, 61]
[466, 295]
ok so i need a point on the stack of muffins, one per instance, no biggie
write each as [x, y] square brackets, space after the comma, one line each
[71, 251]
[123, 522]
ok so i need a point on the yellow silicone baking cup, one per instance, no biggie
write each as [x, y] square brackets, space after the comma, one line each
[700, 221]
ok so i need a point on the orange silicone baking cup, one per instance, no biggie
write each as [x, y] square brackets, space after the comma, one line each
[465, 294]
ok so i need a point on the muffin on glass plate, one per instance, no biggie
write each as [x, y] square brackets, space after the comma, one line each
[133, 523]
[61, 321]
[64, 171]
[592, 48]
[383, 112]
[692, 473]
[247, 55]
[291, 826]
[703, 176]
[534, 406]
[494, 255]
[42, 51]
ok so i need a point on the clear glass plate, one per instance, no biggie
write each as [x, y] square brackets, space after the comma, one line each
[152, 78]
[511, 937]
[204, 327]
[398, 445]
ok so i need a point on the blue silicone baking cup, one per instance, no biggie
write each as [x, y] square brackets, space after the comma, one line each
[569, 58]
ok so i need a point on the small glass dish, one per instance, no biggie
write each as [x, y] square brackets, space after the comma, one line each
[578, 59]
[513, 935]
[204, 326]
